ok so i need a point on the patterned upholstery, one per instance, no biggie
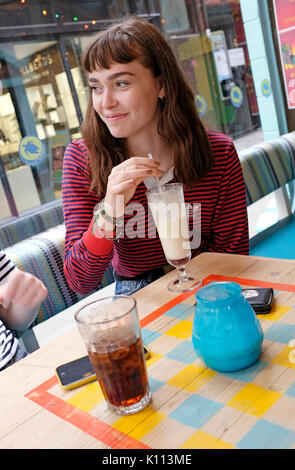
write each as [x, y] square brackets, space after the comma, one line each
[25, 227]
[42, 256]
[268, 166]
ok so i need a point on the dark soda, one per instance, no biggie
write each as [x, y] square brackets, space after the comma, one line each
[121, 373]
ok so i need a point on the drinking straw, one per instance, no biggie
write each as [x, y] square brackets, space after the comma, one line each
[155, 177]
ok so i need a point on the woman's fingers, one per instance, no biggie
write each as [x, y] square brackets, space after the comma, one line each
[122, 186]
[126, 176]
[144, 161]
[136, 163]
[131, 172]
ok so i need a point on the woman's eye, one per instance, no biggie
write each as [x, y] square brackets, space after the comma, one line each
[121, 84]
[96, 88]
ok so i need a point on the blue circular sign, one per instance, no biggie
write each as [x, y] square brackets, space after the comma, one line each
[201, 105]
[266, 87]
[31, 150]
[236, 96]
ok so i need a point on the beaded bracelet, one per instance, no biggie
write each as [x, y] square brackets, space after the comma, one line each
[99, 209]
[118, 222]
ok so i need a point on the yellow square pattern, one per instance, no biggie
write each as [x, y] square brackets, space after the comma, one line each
[88, 398]
[183, 330]
[191, 378]
[286, 358]
[254, 400]
[202, 440]
[154, 357]
[277, 312]
[139, 424]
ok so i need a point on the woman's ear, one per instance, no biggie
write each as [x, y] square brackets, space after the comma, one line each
[161, 93]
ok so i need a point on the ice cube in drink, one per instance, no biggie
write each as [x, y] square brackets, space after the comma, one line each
[121, 372]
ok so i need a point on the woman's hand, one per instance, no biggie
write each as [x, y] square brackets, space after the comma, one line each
[123, 181]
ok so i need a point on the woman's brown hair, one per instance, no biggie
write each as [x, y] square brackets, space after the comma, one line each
[179, 123]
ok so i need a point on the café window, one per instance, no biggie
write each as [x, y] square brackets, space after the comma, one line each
[36, 100]
[209, 40]
[75, 46]
[175, 16]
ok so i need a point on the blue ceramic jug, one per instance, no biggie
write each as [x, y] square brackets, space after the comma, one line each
[226, 333]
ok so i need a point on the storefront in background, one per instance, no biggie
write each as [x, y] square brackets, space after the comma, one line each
[44, 94]
[216, 61]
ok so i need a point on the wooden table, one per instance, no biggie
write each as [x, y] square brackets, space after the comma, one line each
[193, 406]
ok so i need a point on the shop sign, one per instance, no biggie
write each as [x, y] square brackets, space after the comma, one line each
[31, 150]
[285, 24]
[285, 14]
[236, 57]
[40, 61]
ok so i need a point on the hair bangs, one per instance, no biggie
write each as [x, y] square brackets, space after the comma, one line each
[108, 48]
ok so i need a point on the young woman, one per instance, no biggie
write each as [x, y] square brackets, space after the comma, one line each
[140, 104]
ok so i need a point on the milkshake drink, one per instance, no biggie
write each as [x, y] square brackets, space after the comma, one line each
[171, 222]
[169, 212]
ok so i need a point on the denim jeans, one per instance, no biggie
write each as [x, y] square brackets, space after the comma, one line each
[128, 287]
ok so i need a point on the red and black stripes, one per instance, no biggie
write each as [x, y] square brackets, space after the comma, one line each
[224, 222]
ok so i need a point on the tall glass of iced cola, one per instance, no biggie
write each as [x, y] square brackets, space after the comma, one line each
[110, 329]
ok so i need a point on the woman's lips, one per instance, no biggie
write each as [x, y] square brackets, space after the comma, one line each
[115, 117]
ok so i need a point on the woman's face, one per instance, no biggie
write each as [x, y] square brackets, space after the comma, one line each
[125, 96]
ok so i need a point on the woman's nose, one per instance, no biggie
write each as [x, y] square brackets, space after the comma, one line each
[109, 99]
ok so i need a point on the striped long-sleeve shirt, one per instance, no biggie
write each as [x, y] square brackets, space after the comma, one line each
[8, 343]
[224, 221]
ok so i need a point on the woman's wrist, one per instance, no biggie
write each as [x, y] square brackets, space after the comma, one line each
[109, 215]
[110, 227]
[95, 241]
[114, 206]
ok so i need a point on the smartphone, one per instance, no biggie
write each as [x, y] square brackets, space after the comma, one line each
[260, 298]
[79, 372]
[146, 352]
[75, 373]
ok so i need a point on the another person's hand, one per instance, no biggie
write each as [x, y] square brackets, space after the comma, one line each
[20, 297]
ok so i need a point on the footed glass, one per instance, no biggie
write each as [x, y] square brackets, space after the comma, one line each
[170, 215]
